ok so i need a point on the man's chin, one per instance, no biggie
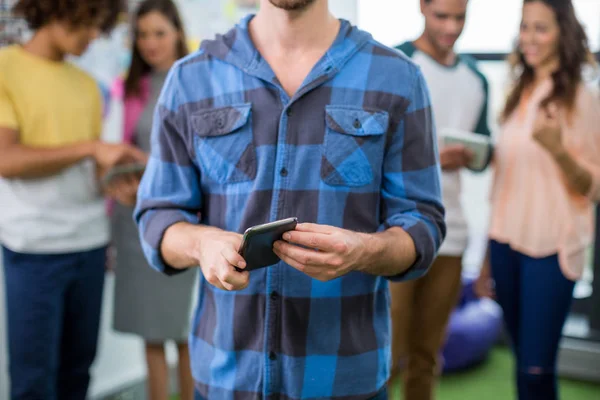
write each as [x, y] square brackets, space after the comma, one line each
[292, 5]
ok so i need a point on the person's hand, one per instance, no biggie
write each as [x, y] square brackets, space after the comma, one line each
[484, 284]
[547, 131]
[109, 265]
[218, 256]
[454, 157]
[124, 189]
[108, 155]
[320, 251]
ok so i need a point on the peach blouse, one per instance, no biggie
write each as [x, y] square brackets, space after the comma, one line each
[533, 208]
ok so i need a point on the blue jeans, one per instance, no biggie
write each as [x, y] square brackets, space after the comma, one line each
[382, 395]
[53, 306]
[535, 298]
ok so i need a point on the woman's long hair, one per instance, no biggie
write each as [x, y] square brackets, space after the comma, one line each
[573, 51]
[139, 67]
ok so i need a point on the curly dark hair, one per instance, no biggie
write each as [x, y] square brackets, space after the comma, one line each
[38, 13]
[574, 53]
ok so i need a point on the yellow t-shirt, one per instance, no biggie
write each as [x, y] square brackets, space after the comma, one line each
[50, 103]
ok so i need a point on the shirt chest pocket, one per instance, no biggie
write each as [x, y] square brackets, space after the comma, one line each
[224, 143]
[354, 145]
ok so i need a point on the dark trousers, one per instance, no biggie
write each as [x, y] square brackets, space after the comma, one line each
[382, 395]
[53, 306]
[536, 298]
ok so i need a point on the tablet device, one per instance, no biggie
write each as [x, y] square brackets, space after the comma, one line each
[480, 145]
[118, 171]
[257, 243]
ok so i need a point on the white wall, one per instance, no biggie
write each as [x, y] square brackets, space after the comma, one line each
[491, 26]
[346, 9]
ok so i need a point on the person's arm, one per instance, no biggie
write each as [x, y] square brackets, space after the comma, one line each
[27, 162]
[19, 161]
[548, 132]
[484, 284]
[169, 203]
[412, 201]
[577, 176]
[389, 253]
[168, 214]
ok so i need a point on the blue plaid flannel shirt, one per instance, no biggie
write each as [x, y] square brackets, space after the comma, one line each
[355, 148]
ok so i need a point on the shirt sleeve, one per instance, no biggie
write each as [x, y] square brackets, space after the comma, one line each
[588, 125]
[8, 114]
[170, 188]
[483, 127]
[411, 190]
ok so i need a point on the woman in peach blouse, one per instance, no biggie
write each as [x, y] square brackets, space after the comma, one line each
[547, 177]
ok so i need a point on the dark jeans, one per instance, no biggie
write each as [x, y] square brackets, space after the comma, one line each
[382, 395]
[53, 306]
[536, 298]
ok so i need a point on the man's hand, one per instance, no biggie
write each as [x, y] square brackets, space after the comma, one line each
[107, 155]
[322, 252]
[217, 255]
[124, 189]
[455, 157]
[484, 284]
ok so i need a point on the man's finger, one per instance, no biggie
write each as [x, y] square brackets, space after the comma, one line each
[233, 257]
[317, 228]
[232, 279]
[301, 255]
[468, 155]
[314, 272]
[290, 261]
[312, 240]
[215, 281]
[453, 148]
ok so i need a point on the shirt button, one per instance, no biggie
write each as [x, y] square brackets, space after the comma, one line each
[357, 123]
[274, 295]
[283, 172]
[272, 356]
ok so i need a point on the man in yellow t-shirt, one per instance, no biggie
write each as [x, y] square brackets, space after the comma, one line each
[53, 225]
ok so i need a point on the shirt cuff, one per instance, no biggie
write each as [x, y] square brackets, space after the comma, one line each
[155, 229]
[425, 248]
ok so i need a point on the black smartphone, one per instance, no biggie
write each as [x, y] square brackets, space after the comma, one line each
[257, 243]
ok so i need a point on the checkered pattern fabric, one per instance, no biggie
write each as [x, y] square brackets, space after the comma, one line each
[354, 148]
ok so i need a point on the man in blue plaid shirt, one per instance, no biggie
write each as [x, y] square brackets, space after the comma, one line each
[293, 113]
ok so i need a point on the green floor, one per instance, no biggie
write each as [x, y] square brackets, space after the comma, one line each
[493, 381]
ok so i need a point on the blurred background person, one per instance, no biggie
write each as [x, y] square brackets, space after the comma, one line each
[547, 176]
[53, 226]
[459, 94]
[146, 303]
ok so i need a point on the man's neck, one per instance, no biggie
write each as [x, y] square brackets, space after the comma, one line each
[447, 58]
[280, 31]
[40, 45]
